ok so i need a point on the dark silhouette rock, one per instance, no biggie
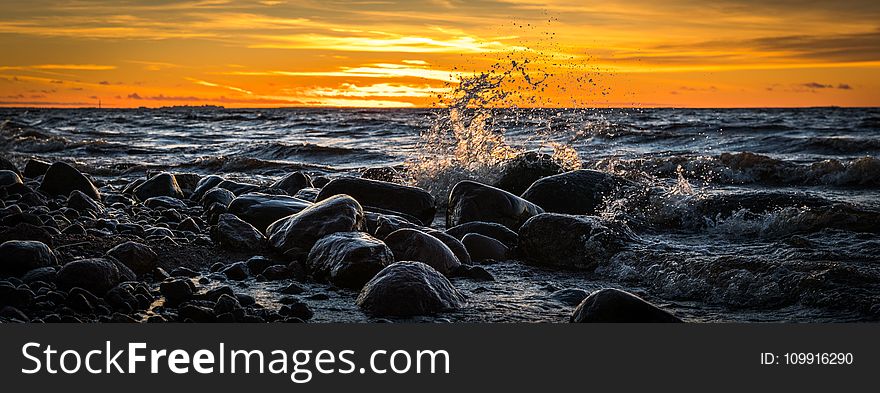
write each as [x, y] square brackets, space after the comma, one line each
[22, 256]
[261, 210]
[348, 259]
[518, 174]
[176, 290]
[496, 231]
[8, 178]
[204, 185]
[574, 242]
[293, 182]
[615, 306]
[34, 168]
[81, 202]
[471, 201]
[140, 258]
[415, 245]
[383, 195]
[97, 275]
[217, 195]
[296, 234]
[236, 234]
[409, 289]
[576, 192]
[482, 248]
[308, 194]
[62, 179]
[454, 244]
[161, 185]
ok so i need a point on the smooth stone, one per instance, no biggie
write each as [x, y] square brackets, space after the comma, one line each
[34, 168]
[261, 210]
[138, 257]
[62, 179]
[44, 274]
[348, 259]
[8, 178]
[471, 201]
[217, 195]
[574, 242]
[454, 245]
[236, 234]
[496, 231]
[415, 245]
[7, 165]
[204, 185]
[189, 225]
[482, 248]
[97, 275]
[293, 182]
[413, 201]
[161, 185]
[523, 170]
[308, 194]
[409, 289]
[237, 271]
[295, 235]
[577, 192]
[165, 202]
[611, 305]
[237, 188]
[81, 202]
[176, 290]
[22, 256]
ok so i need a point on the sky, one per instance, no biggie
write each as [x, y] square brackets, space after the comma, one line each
[377, 53]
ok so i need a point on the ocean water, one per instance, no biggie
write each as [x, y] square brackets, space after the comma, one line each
[757, 214]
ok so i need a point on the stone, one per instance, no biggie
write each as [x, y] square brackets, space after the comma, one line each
[524, 169]
[413, 201]
[176, 290]
[295, 235]
[234, 233]
[62, 179]
[308, 194]
[475, 272]
[195, 313]
[187, 182]
[292, 289]
[217, 195]
[22, 256]
[573, 242]
[261, 210]
[34, 168]
[7, 165]
[570, 296]
[409, 289]
[482, 248]
[277, 272]
[81, 202]
[165, 202]
[496, 231]
[163, 184]
[348, 259]
[138, 257]
[237, 188]
[454, 245]
[8, 178]
[226, 304]
[204, 185]
[611, 305]
[414, 245]
[97, 275]
[471, 201]
[44, 274]
[293, 182]
[297, 310]
[381, 225]
[577, 192]
[237, 271]
[189, 225]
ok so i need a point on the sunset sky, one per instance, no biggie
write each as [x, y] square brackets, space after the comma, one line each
[376, 53]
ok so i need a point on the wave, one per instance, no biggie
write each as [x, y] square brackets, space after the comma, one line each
[311, 152]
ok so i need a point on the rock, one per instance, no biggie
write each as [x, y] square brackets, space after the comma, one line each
[44, 274]
[176, 290]
[475, 272]
[258, 263]
[297, 310]
[237, 188]
[292, 289]
[569, 296]
[575, 242]
[414, 245]
[409, 289]
[576, 192]
[348, 259]
[381, 225]
[164, 202]
[140, 258]
[471, 201]
[182, 271]
[163, 184]
[295, 235]
[97, 275]
[25, 231]
[121, 298]
[496, 231]
[22, 256]
[81, 202]
[7, 165]
[483, 248]
[413, 201]
[194, 313]
[320, 181]
[226, 304]
[62, 179]
[308, 194]
[237, 271]
[189, 225]
[218, 195]
[34, 168]
[454, 245]
[8, 178]
[187, 182]
[236, 234]
[204, 185]
[277, 272]
[12, 313]
[261, 210]
[615, 306]
[293, 182]
[518, 174]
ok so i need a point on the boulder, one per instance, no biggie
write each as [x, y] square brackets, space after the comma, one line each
[409, 289]
[163, 184]
[176, 290]
[519, 173]
[576, 192]
[96, 275]
[293, 182]
[62, 179]
[237, 271]
[187, 182]
[236, 187]
[81, 202]
[164, 202]
[204, 185]
[381, 225]
[377, 194]
[454, 244]
[236, 234]
[296, 234]
[483, 248]
[260, 210]
[7, 165]
[471, 201]
[140, 258]
[611, 305]
[22, 256]
[308, 194]
[348, 259]
[8, 178]
[574, 242]
[34, 168]
[415, 245]
[496, 231]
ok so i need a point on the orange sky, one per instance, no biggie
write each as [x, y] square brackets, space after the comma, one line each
[237, 53]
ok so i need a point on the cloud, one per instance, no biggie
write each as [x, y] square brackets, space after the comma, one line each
[211, 84]
[815, 85]
[377, 70]
[844, 86]
[375, 90]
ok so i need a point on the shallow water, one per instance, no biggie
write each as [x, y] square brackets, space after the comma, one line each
[758, 214]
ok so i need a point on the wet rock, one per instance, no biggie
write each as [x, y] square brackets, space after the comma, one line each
[237, 271]
[413, 201]
[320, 181]
[261, 210]
[34, 168]
[348, 259]
[62, 179]
[574, 242]
[237, 188]
[454, 245]
[44, 274]
[277, 272]
[483, 248]
[24, 231]
[496, 231]
[295, 235]
[474, 272]
[189, 225]
[518, 174]
[204, 185]
[292, 289]
[414, 245]
[576, 192]
[194, 313]
[82, 203]
[308, 194]
[297, 310]
[471, 201]
[176, 290]
[615, 306]
[8, 178]
[13, 313]
[226, 304]
[140, 258]
[187, 182]
[293, 182]
[7, 165]
[97, 275]
[236, 234]
[258, 263]
[164, 202]
[79, 303]
[569, 296]
[163, 184]
[182, 271]
[218, 195]
[122, 298]
[381, 225]
[409, 289]
[22, 256]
